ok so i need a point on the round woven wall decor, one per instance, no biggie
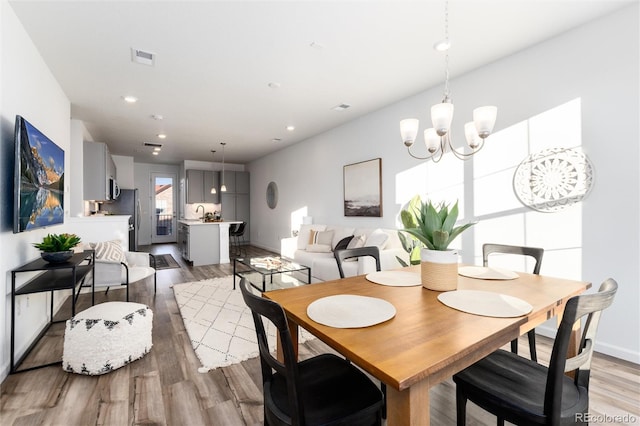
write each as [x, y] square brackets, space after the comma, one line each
[553, 179]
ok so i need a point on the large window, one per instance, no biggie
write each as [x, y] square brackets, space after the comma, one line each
[500, 215]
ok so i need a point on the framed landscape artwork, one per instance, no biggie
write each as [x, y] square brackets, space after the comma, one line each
[363, 188]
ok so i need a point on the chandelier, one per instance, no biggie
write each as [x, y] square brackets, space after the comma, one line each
[438, 138]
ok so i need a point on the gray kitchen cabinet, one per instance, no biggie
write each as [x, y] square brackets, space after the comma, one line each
[99, 171]
[199, 184]
[235, 202]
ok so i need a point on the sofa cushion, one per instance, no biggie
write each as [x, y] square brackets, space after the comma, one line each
[356, 242]
[303, 235]
[306, 258]
[377, 238]
[339, 233]
[319, 248]
[343, 243]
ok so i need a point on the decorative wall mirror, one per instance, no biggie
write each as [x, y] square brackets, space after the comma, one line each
[272, 195]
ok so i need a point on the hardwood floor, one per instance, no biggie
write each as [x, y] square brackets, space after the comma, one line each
[165, 388]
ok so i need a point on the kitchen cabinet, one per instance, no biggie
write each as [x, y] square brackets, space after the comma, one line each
[204, 243]
[199, 184]
[99, 171]
[235, 202]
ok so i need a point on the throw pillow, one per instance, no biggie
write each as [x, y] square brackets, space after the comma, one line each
[321, 237]
[356, 241]
[319, 248]
[303, 234]
[377, 238]
[110, 251]
[344, 243]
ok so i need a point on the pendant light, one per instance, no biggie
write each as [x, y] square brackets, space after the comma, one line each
[213, 188]
[223, 187]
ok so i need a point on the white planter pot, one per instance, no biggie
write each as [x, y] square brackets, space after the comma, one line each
[439, 269]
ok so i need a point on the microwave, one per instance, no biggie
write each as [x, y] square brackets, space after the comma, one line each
[114, 189]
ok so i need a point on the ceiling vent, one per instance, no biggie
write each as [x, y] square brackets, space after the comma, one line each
[143, 57]
[155, 145]
[341, 107]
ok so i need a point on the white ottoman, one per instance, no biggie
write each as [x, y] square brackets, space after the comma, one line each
[107, 336]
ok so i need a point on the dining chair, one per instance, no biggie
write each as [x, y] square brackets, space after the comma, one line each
[322, 390]
[524, 392]
[534, 252]
[374, 252]
[342, 255]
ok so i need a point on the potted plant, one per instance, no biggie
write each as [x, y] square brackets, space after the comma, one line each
[57, 248]
[434, 227]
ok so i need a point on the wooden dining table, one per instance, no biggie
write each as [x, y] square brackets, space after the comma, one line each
[426, 341]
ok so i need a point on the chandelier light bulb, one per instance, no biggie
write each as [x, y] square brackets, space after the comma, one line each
[484, 119]
[471, 135]
[431, 140]
[441, 117]
[409, 130]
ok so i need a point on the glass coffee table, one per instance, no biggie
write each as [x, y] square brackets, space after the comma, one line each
[266, 266]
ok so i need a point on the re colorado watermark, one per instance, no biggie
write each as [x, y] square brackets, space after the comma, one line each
[625, 419]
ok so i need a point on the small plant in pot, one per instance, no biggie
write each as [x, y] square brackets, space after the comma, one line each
[57, 248]
[434, 227]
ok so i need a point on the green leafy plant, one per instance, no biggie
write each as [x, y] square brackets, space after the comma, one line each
[58, 242]
[433, 226]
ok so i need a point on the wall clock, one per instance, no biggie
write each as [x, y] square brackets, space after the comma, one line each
[553, 179]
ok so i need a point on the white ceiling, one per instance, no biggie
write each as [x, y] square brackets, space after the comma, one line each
[215, 59]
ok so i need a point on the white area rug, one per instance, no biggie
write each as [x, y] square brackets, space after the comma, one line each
[219, 324]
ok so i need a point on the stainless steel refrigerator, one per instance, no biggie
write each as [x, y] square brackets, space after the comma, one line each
[127, 203]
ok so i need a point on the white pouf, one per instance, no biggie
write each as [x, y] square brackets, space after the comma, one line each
[107, 336]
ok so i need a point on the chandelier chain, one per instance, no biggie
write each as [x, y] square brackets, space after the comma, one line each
[446, 60]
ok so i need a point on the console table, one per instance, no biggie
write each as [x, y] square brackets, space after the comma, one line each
[55, 276]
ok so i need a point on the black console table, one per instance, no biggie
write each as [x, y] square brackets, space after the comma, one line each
[68, 275]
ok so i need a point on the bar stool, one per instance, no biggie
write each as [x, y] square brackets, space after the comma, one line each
[237, 235]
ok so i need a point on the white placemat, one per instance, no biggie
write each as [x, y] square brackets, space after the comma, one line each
[485, 303]
[350, 311]
[487, 273]
[395, 278]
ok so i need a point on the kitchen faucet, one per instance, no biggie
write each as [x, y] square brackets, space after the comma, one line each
[198, 208]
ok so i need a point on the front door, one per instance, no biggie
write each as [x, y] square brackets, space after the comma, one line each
[164, 208]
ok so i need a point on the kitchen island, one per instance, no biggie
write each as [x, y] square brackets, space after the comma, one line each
[204, 243]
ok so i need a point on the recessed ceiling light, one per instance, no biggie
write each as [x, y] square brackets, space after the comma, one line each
[442, 45]
[157, 117]
[291, 128]
[162, 136]
[341, 107]
[130, 99]
[155, 152]
[157, 149]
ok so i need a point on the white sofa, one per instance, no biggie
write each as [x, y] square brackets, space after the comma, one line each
[319, 257]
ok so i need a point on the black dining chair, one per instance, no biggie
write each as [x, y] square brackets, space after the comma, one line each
[373, 252]
[524, 392]
[342, 255]
[534, 252]
[322, 390]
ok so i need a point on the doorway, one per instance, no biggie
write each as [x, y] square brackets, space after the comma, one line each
[164, 208]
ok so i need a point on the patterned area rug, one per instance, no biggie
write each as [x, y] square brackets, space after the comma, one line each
[219, 324]
[165, 261]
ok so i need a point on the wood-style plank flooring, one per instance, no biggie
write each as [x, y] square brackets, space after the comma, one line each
[165, 388]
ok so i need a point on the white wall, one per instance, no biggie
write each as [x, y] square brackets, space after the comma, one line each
[27, 88]
[581, 63]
